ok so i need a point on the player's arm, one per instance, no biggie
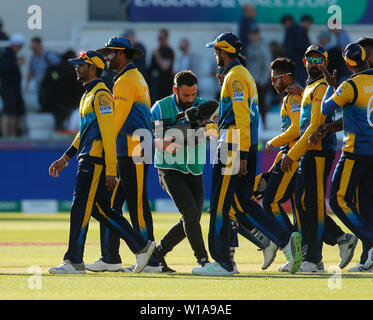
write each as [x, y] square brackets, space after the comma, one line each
[333, 100]
[302, 145]
[103, 107]
[124, 95]
[239, 94]
[56, 167]
[292, 132]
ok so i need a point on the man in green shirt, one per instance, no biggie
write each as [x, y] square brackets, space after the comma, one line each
[180, 164]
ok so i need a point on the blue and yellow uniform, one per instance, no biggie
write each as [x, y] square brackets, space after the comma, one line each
[280, 187]
[238, 138]
[314, 167]
[96, 149]
[354, 96]
[134, 140]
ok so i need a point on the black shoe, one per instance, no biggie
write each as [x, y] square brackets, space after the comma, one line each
[158, 254]
[167, 269]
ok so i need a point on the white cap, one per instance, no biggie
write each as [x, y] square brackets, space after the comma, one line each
[17, 39]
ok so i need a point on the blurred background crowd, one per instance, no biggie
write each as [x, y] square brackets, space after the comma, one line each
[38, 87]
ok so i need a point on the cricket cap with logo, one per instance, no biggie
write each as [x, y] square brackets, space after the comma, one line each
[119, 43]
[90, 57]
[316, 48]
[226, 41]
[354, 54]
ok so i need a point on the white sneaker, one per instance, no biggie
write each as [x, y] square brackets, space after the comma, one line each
[369, 263]
[347, 247]
[147, 269]
[358, 268]
[143, 257]
[101, 266]
[284, 267]
[67, 267]
[293, 252]
[310, 267]
[212, 269]
[269, 254]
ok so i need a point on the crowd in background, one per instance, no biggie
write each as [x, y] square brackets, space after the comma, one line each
[59, 92]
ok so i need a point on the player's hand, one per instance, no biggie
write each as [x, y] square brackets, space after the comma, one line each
[111, 182]
[318, 135]
[57, 166]
[269, 146]
[330, 79]
[243, 168]
[286, 163]
[294, 89]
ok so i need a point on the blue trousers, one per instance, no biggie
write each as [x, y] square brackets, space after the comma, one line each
[350, 195]
[132, 188]
[229, 190]
[91, 197]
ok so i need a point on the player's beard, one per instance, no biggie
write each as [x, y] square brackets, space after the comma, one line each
[184, 105]
[314, 72]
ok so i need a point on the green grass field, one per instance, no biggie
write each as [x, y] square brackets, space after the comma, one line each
[29, 243]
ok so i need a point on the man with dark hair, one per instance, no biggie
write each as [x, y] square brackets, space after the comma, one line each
[132, 113]
[10, 86]
[314, 166]
[281, 185]
[181, 179]
[40, 61]
[295, 44]
[162, 64]
[97, 170]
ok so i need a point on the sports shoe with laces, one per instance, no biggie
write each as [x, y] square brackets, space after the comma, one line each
[310, 267]
[293, 252]
[358, 268]
[101, 266]
[67, 267]
[143, 256]
[347, 247]
[269, 254]
[212, 269]
[149, 269]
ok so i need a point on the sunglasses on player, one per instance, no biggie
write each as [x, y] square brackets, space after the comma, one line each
[274, 78]
[313, 60]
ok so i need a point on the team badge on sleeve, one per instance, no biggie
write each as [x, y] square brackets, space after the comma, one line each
[237, 91]
[105, 105]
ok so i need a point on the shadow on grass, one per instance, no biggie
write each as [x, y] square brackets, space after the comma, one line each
[189, 276]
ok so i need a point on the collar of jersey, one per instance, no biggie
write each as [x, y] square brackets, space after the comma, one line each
[234, 63]
[90, 85]
[309, 82]
[129, 66]
[368, 72]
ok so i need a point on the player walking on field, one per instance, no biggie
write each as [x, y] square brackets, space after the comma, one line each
[236, 154]
[355, 97]
[314, 167]
[132, 112]
[97, 170]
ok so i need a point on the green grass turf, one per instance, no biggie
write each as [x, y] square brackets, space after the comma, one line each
[39, 241]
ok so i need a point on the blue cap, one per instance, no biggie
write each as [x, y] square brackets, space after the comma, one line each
[317, 48]
[120, 43]
[354, 54]
[226, 41]
[90, 57]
